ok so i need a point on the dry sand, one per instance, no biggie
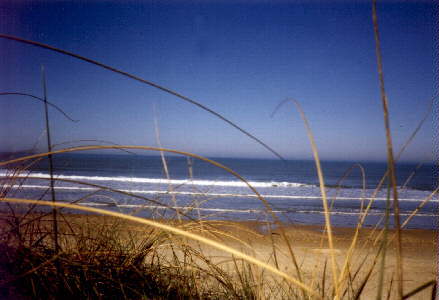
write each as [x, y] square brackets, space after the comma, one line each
[310, 247]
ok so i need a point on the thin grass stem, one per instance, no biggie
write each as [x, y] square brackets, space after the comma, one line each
[41, 100]
[390, 159]
[49, 148]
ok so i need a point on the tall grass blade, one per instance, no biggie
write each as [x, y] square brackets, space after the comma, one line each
[164, 163]
[324, 278]
[49, 148]
[390, 159]
[384, 246]
[322, 191]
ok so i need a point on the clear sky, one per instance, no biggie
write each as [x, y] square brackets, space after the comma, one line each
[239, 58]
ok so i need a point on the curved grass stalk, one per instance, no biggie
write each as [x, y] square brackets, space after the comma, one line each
[41, 100]
[174, 230]
[322, 191]
[91, 140]
[345, 269]
[324, 197]
[112, 202]
[344, 176]
[235, 174]
[144, 81]
[344, 272]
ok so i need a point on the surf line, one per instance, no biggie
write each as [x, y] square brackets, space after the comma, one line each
[228, 210]
[202, 182]
[221, 195]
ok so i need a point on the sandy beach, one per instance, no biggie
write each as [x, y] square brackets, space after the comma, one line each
[309, 244]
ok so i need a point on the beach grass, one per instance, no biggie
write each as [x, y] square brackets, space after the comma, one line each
[104, 254]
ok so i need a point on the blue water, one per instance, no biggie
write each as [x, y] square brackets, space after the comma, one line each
[199, 190]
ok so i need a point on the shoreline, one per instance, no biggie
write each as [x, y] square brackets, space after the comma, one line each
[260, 227]
[304, 235]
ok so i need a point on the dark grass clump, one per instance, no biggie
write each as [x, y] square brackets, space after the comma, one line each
[93, 264]
[39, 274]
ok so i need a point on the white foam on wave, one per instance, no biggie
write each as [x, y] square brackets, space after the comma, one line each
[229, 183]
[222, 195]
[200, 182]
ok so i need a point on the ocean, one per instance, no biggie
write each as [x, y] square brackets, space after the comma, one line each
[196, 189]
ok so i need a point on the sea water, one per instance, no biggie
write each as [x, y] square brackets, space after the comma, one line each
[195, 189]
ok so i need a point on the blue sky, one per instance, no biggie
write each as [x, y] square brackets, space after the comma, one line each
[239, 58]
